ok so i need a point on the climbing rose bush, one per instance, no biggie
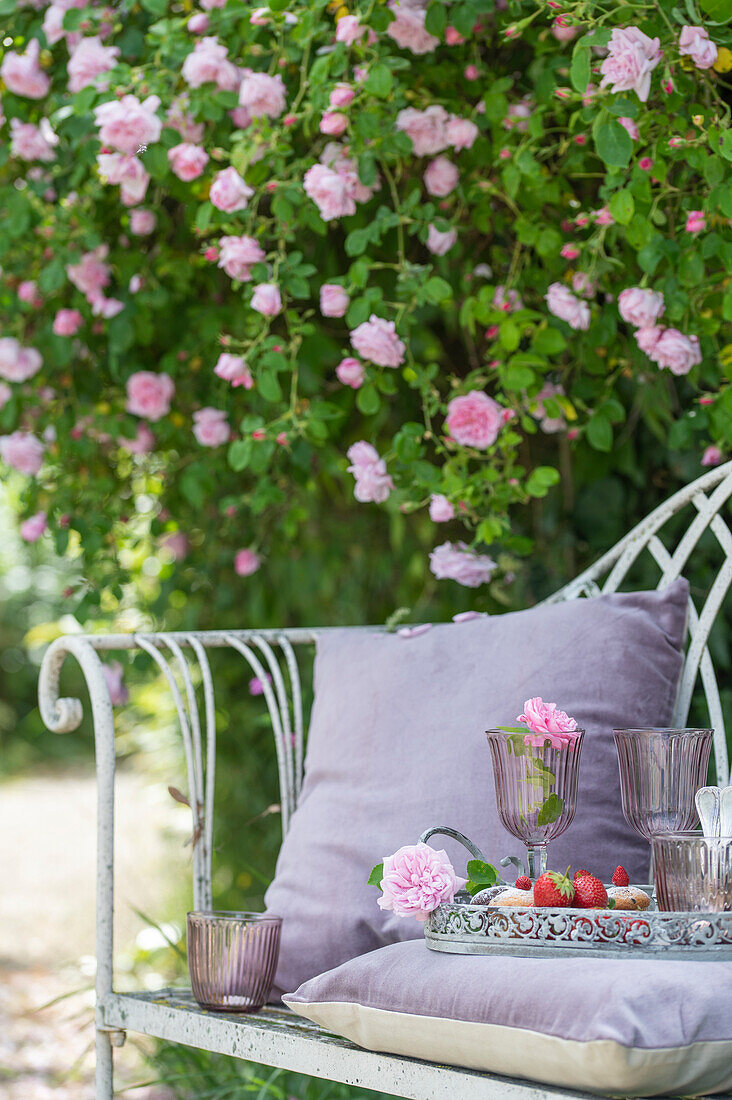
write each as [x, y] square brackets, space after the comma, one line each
[407, 251]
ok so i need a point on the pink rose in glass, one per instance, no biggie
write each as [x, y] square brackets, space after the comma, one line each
[564, 305]
[237, 256]
[267, 299]
[89, 61]
[126, 124]
[350, 372]
[246, 562]
[632, 56]
[545, 722]
[439, 242]
[149, 394]
[417, 879]
[233, 369]
[210, 427]
[474, 420]
[330, 192]
[694, 42]
[455, 562]
[408, 30]
[441, 510]
[427, 129]
[229, 192]
[67, 322]
[441, 177]
[187, 161]
[377, 340]
[23, 74]
[333, 300]
[262, 95]
[32, 528]
[22, 451]
[640, 307]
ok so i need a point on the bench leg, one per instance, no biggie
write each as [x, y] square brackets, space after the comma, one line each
[104, 1074]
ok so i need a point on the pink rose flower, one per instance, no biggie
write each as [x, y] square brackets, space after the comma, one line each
[647, 337]
[417, 879]
[262, 95]
[373, 484]
[640, 307]
[334, 123]
[333, 300]
[376, 339]
[28, 292]
[260, 17]
[256, 686]
[695, 43]
[695, 221]
[441, 177]
[453, 37]
[179, 119]
[89, 61]
[508, 301]
[53, 27]
[198, 23]
[209, 64]
[341, 96]
[5, 394]
[233, 369]
[187, 161]
[630, 127]
[29, 142]
[675, 352]
[712, 456]
[548, 424]
[329, 191]
[267, 299]
[32, 528]
[237, 256]
[461, 133]
[149, 394]
[441, 510]
[210, 427]
[142, 222]
[569, 252]
[18, 364]
[349, 30]
[143, 442]
[584, 285]
[176, 544]
[563, 304]
[426, 129]
[22, 73]
[335, 156]
[229, 192]
[562, 32]
[128, 171]
[408, 30]
[455, 562]
[547, 723]
[22, 451]
[474, 420]
[350, 372]
[67, 322]
[439, 242]
[246, 562]
[105, 307]
[126, 124]
[114, 676]
[632, 56]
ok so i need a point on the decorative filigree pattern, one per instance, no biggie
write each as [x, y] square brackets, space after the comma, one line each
[477, 929]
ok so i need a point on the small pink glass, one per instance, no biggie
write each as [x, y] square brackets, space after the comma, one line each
[693, 872]
[232, 958]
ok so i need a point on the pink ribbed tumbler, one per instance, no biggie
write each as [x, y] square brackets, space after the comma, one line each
[232, 958]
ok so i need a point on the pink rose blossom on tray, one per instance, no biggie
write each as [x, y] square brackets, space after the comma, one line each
[545, 722]
[416, 879]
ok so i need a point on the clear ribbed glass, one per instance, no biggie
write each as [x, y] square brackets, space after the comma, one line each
[232, 958]
[536, 789]
[693, 873]
[660, 772]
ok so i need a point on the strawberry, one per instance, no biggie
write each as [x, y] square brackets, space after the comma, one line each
[621, 877]
[523, 882]
[554, 889]
[581, 873]
[589, 893]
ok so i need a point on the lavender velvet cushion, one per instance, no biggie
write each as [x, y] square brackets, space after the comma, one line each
[629, 1027]
[397, 744]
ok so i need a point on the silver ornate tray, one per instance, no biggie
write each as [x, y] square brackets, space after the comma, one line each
[461, 928]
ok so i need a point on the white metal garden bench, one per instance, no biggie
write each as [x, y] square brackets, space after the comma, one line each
[275, 1036]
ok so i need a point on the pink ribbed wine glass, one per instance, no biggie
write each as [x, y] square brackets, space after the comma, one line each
[536, 789]
[232, 958]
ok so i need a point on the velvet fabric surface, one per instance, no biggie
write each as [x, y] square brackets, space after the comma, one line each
[397, 744]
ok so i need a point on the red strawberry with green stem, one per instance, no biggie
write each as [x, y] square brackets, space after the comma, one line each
[554, 889]
[621, 877]
[523, 882]
[589, 893]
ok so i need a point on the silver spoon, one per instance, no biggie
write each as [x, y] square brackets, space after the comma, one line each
[708, 807]
[725, 811]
